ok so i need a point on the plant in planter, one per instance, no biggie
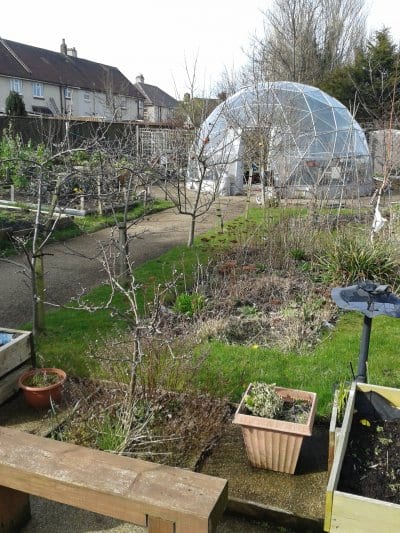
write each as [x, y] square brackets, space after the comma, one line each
[363, 492]
[42, 386]
[274, 421]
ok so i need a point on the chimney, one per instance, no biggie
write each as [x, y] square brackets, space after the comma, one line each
[63, 48]
[72, 52]
[186, 97]
[140, 78]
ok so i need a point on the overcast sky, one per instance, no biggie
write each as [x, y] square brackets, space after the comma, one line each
[156, 37]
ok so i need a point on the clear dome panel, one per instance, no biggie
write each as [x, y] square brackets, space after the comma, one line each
[302, 124]
[316, 105]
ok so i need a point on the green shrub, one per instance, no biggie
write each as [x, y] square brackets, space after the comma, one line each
[350, 258]
[15, 105]
[189, 304]
[263, 400]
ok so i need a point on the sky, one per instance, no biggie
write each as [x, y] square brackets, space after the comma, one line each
[161, 39]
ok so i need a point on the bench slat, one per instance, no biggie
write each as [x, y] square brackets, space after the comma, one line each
[127, 489]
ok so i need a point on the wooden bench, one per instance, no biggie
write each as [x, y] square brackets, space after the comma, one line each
[163, 499]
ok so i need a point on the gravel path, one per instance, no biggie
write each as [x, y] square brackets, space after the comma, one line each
[73, 265]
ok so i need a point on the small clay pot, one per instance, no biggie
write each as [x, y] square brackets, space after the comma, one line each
[41, 397]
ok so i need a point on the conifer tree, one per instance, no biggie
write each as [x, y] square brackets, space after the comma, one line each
[15, 105]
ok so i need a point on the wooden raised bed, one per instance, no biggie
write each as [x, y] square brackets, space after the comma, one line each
[347, 512]
[15, 356]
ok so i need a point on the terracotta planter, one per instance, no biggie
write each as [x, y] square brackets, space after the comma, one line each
[42, 396]
[275, 444]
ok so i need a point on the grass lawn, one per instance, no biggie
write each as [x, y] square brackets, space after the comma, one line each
[229, 368]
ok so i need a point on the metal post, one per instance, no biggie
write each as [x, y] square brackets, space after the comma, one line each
[364, 346]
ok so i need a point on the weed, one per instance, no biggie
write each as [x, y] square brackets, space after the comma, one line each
[189, 304]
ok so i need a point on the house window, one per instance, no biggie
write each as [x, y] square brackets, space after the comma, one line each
[37, 89]
[68, 92]
[86, 97]
[139, 110]
[16, 85]
[123, 103]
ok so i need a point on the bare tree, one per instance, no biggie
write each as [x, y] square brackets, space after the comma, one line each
[306, 39]
[44, 189]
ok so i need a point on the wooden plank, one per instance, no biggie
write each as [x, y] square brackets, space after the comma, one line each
[340, 451]
[117, 486]
[332, 431]
[157, 525]
[363, 515]
[15, 352]
[345, 511]
[8, 383]
[14, 509]
[391, 394]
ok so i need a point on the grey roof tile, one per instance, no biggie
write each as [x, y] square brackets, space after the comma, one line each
[60, 69]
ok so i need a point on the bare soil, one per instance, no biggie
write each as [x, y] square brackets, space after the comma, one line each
[371, 466]
[177, 429]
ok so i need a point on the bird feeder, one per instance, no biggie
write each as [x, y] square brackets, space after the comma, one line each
[372, 300]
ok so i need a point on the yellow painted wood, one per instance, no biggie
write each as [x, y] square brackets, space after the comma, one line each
[347, 512]
[332, 434]
[391, 394]
[356, 514]
[121, 487]
[328, 510]
[340, 450]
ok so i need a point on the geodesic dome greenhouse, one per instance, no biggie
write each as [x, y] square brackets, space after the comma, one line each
[307, 142]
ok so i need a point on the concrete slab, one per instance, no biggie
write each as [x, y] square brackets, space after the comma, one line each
[296, 501]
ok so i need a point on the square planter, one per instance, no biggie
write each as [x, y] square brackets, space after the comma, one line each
[345, 511]
[275, 444]
[14, 356]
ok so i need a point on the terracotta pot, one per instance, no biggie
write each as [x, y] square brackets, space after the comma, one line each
[42, 396]
[275, 444]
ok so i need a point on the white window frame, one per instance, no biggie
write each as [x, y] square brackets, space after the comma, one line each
[140, 110]
[67, 93]
[16, 85]
[37, 89]
[86, 96]
[124, 104]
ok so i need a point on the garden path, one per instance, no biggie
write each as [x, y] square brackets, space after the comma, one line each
[72, 265]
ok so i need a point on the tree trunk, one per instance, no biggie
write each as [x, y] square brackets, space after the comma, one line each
[123, 246]
[248, 198]
[191, 231]
[99, 200]
[39, 292]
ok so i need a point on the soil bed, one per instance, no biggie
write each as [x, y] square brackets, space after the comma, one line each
[371, 466]
[177, 429]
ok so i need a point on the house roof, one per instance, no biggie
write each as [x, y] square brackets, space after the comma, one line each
[156, 96]
[19, 60]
